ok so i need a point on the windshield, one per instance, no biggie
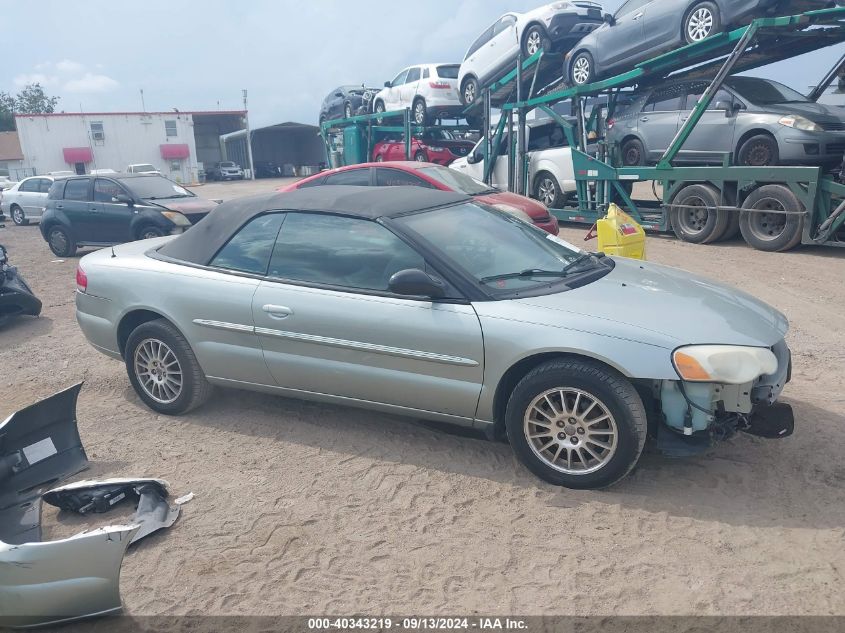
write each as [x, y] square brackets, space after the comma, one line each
[456, 181]
[501, 252]
[439, 135]
[765, 91]
[155, 188]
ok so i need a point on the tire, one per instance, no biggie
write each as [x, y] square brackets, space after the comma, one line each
[535, 39]
[633, 153]
[160, 339]
[420, 157]
[149, 232]
[547, 190]
[18, 216]
[60, 242]
[579, 383]
[701, 22]
[469, 90]
[379, 158]
[772, 231]
[377, 108]
[582, 70]
[419, 113]
[703, 223]
[758, 151]
[347, 111]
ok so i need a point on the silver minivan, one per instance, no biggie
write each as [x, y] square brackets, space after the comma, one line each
[26, 200]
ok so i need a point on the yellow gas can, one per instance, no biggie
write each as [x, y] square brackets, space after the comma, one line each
[620, 234]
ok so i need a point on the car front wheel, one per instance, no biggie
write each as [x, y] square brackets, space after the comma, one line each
[576, 423]
[18, 216]
[163, 369]
[581, 70]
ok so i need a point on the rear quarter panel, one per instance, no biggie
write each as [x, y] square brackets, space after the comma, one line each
[558, 162]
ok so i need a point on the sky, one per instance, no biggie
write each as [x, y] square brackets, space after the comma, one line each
[288, 54]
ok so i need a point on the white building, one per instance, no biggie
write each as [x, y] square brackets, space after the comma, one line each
[178, 144]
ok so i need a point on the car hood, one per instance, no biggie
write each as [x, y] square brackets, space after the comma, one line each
[817, 112]
[667, 306]
[531, 208]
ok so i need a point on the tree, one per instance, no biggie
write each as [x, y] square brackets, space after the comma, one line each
[7, 112]
[33, 100]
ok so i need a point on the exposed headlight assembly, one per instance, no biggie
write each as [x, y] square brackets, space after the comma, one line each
[798, 122]
[177, 218]
[726, 364]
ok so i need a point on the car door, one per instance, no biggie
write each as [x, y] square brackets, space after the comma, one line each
[658, 120]
[392, 96]
[40, 198]
[477, 57]
[409, 89]
[327, 324]
[336, 104]
[28, 195]
[625, 37]
[113, 218]
[713, 136]
[74, 206]
[661, 25]
[504, 46]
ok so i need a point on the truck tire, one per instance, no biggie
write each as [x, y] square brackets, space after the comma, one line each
[774, 224]
[696, 218]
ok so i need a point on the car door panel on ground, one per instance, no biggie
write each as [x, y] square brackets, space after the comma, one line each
[713, 135]
[389, 350]
[658, 121]
[111, 220]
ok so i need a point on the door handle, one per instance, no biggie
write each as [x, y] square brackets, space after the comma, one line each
[644, 119]
[277, 312]
[93, 209]
[638, 16]
[60, 206]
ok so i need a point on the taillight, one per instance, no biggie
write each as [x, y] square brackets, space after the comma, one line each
[81, 279]
[611, 123]
[439, 85]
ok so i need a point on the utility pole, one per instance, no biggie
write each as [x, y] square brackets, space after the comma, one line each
[248, 139]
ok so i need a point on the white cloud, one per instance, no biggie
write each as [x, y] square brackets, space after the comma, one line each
[67, 75]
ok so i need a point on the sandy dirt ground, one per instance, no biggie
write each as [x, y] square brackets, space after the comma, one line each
[307, 508]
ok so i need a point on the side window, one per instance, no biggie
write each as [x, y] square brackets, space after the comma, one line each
[666, 100]
[44, 185]
[250, 248]
[629, 6]
[340, 251]
[359, 177]
[77, 189]
[105, 190]
[30, 185]
[394, 177]
[399, 79]
[57, 190]
[481, 41]
[413, 75]
[425, 74]
[539, 138]
[312, 183]
[503, 24]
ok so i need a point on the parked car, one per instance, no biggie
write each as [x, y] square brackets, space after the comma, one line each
[142, 168]
[430, 176]
[430, 90]
[759, 121]
[551, 175]
[224, 170]
[346, 101]
[6, 182]
[641, 29]
[25, 201]
[554, 27]
[102, 172]
[101, 211]
[436, 146]
[425, 303]
[267, 169]
[61, 173]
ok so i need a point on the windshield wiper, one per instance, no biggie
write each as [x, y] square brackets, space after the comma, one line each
[581, 259]
[529, 272]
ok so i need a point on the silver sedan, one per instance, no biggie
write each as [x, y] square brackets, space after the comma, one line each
[429, 304]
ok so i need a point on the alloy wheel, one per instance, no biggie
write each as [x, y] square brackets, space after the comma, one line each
[571, 430]
[17, 216]
[547, 192]
[581, 71]
[158, 371]
[700, 24]
[419, 113]
[533, 43]
[469, 92]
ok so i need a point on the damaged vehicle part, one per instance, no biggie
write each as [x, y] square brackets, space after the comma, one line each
[153, 512]
[16, 297]
[67, 579]
[39, 446]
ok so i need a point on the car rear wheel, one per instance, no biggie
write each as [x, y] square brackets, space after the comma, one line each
[758, 151]
[420, 114]
[701, 22]
[547, 190]
[347, 111]
[378, 109]
[163, 369]
[420, 157]
[576, 423]
[469, 90]
[633, 153]
[581, 71]
[534, 40]
[60, 242]
[695, 214]
[18, 216]
[775, 222]
[379, 158]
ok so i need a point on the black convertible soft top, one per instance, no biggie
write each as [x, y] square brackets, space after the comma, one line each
[203, 241]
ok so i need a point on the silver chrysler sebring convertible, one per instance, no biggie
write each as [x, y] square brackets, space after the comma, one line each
[429, 304]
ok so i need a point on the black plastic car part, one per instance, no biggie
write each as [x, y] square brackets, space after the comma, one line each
[16, 297]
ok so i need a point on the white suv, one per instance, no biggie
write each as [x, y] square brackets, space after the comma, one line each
[430, 90]
[555, 28]
[551, 176]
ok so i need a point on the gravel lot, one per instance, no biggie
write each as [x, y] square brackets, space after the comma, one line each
[307, 508]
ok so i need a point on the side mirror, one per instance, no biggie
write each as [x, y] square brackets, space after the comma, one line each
[122, 198]
[477, 157]
[387, 84]
[609, 19]
[415, 282]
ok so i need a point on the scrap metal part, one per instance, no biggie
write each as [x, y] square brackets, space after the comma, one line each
[153, 512]
[16, 297]
[68, 579]
[39, 446]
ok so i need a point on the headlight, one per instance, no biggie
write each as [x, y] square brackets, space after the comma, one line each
[727, 364]
[177, 218]
[517, 213]
[799, 123]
